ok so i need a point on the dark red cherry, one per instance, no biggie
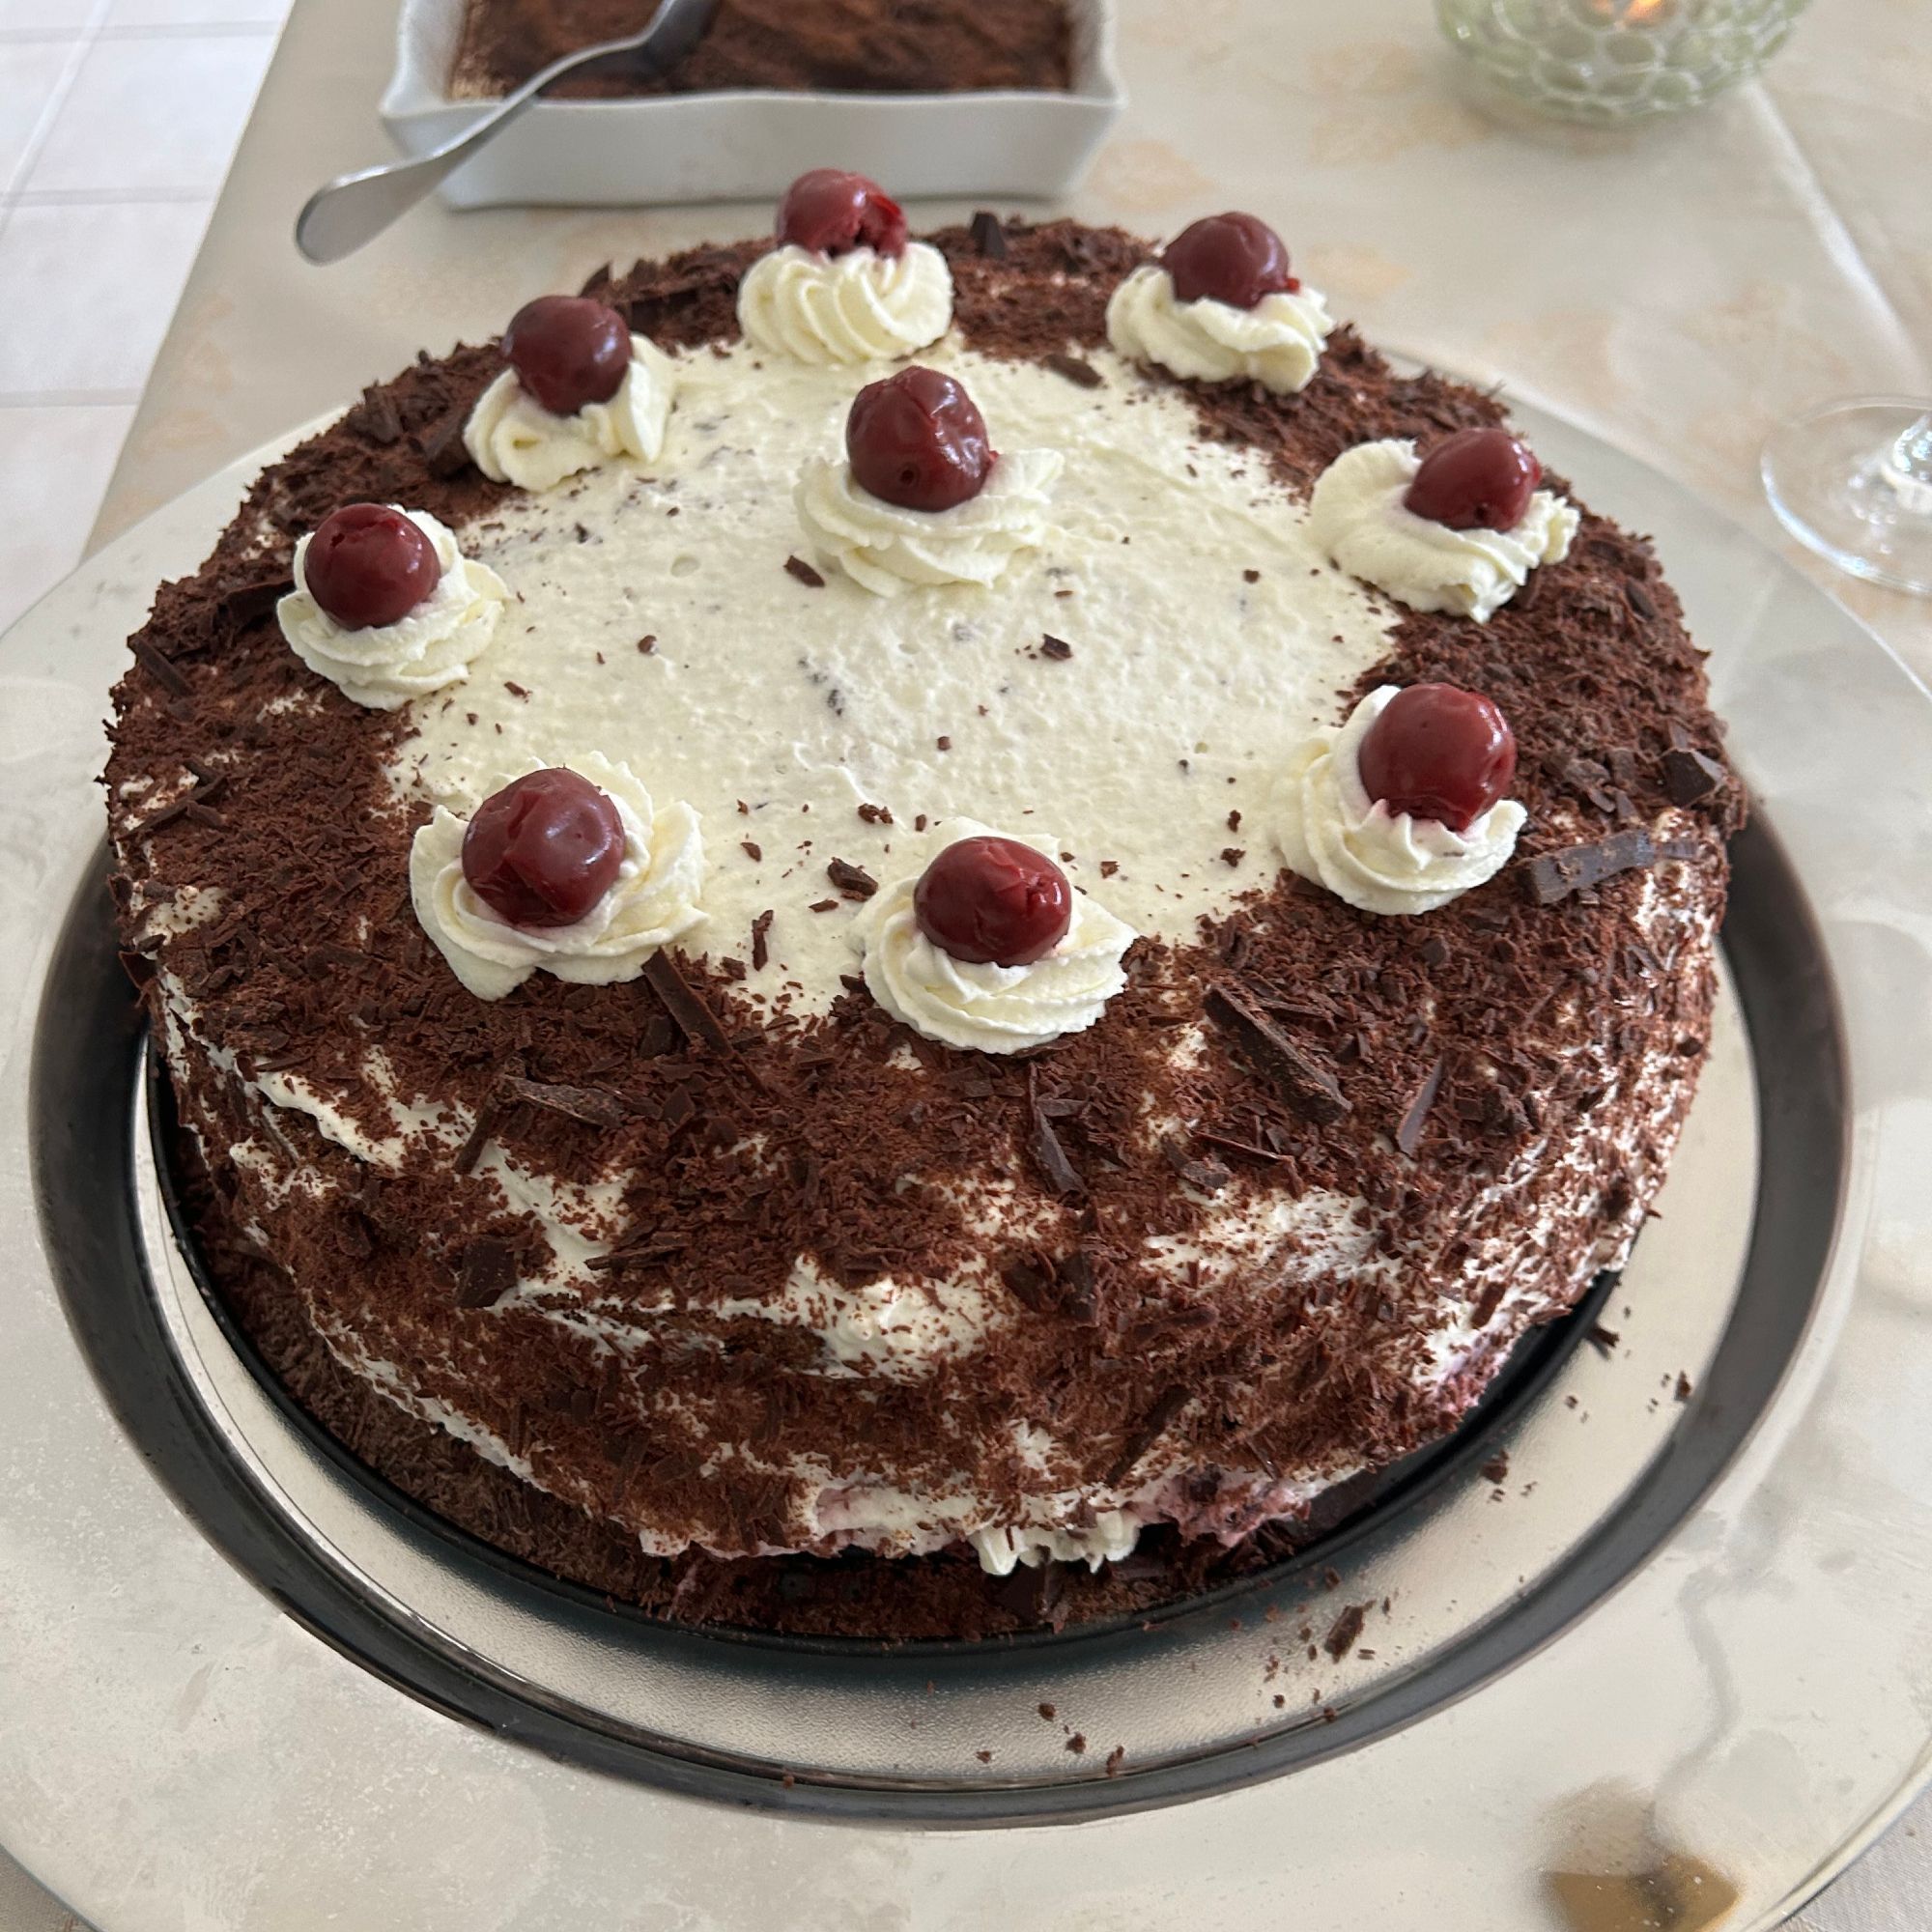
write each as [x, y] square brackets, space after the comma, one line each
[1236, 259]
[544, 849]
[834, 213]
[1439, 753]
[369, 565]
[1477, 479]
[993, 901]
[568, 351]
[918, 440]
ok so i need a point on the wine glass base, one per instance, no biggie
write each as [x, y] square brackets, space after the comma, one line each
[1827, 476]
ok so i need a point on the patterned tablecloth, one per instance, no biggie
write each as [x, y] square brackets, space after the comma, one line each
[1677, 288]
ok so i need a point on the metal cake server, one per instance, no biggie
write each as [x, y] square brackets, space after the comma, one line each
[355, 208]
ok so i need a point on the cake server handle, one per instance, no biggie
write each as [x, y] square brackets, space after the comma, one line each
[355, 208]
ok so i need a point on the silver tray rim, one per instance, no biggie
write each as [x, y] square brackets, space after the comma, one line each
[1776, 1629]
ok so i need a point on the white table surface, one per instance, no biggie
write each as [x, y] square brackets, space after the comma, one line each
[1677, 289]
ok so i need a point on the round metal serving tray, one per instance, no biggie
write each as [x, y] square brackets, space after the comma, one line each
[1680, 1626]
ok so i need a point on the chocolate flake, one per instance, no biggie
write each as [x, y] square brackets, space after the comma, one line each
[1148, 1431]
[804, 573]
[1553, 876]
[988, 235]
[1640, 600]
[1346, 1630]
[160, 668]
[692, 1018]
[445, 453]
[1209, 1176]
[478, 1137]
[1496, 1468]
[1409, 1135]
[761, 952]
[488, 1273]
[1061, 1175]
[1690, 778]
[1082, 374]
[591, 1105]
[1604, 1340]
[248, 603]
[1305, 1084]
[854, 881]
[1056, 649]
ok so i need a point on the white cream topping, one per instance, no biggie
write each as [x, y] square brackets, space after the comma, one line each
[653, 900]
[1331, 831]
[1277, 343]
[1186, 684]
[1358, 517]
[987, 1006]
[888, 550]
[433, 645]
[860, 306]
[512, 439]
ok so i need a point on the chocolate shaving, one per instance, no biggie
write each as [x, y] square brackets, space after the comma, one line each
[761, 952]
[1305, 1084]
[445, 453]
[1056, 649]
[160, 669]
[1080, 373]
[377, 418]
[1148, 1431]
[478, 1137]
[854, 881]
[1061, 1175]
[1496, 1468]
[1209, 1176]
[591, 1105]
[488, 1271]
[694, 1019]
[1553, 876]
[1640, 600]
[804, 573]
[1409, 1135]
[988, 235]
[1604, 1340]
[1346, 1630]
[185, 806]
[248, 603]
[1690, 778]
[1031, 1284]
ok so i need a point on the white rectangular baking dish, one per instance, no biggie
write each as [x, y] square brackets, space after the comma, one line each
[746, 145]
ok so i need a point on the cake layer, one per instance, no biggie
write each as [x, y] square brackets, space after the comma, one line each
[727, 1257]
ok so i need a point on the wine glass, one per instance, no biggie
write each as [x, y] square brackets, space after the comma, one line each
[1853, 481]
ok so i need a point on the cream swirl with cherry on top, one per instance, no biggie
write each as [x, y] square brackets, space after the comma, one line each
[580, 390]
[1458, 529]
[567, 868]
[923, 498]
[1220, 305]
[1403, 809]
[991, 947]
[843, 284]
[386, 606]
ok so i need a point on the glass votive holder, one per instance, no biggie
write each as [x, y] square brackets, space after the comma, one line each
[1616, 60]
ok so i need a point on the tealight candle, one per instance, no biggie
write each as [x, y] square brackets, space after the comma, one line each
[1616, 60]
